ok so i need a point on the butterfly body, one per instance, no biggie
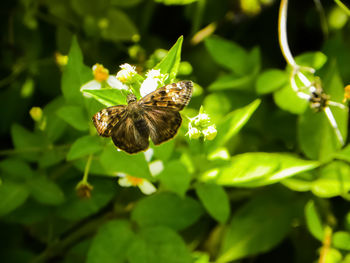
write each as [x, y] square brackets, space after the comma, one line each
[154, 116]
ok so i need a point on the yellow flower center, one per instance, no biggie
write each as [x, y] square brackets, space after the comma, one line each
[134, 181]
[346, 93]
[100, 73]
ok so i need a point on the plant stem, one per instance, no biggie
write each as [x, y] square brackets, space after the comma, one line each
[87, 169]
[343, 7]
[326, 244]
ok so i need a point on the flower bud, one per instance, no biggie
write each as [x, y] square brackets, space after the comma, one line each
[210, 132]
[194, 133]
[84, 189]
[36, 113]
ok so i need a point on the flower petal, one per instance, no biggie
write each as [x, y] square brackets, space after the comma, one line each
[148, 85]
[124, 182]
[113, 82]
[147, 188]
[156, 167]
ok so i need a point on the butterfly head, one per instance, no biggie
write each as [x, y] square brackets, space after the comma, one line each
[131, 98]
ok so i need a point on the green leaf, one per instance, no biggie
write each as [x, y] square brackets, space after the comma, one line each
[287, 99]
[257, 227]
[111, 243]
[74, 75]
[341, 240]
[232, 123]
[271, 80]
[74, 116]
[53, 156]
[45, 191]
[55, 126]
[175, 177]
[301, 182]
[119, 27]
[312, 59]
[16, 169]
[313, 220]
[158, 244]
[215, 201]
[84, 146]
[28, 144]
[344, 154]
[167, 209]
[12, 195]
[170, 63]
[217, 105]
[108, 97]
[89, 7]
[257, 169]
[115, 161]
[228, 55]
[316, 136]
[232, 82]
[164, 151]
[334, 180]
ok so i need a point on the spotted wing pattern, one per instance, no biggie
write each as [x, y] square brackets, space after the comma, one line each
[108, 118]
[156, 115]
[174, 96]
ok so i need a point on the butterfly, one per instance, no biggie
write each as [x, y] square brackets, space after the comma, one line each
[156, 115]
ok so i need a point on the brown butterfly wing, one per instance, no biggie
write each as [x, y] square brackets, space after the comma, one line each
[174, 96]
[161, 109]
[163, 124]
[108, 118]
[131, 136]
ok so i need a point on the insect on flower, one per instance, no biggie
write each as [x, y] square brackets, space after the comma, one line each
[156, 115]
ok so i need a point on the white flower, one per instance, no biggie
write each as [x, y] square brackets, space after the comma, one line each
[151, 83]
[102, 77]
[148, 85]
[144, 185]
[126, 73]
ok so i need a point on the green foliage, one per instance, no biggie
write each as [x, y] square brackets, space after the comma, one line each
[257, 175]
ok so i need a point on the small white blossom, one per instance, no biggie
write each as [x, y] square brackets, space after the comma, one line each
[126, 73]
[151, 83]
[101, 77]
[144, 185]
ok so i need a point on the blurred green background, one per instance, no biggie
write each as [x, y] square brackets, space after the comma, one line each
[272, 186]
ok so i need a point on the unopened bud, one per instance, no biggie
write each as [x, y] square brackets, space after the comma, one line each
[210, 132]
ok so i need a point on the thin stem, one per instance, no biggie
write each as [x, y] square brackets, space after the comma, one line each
[334, 124]
[87, 169]
[282, 34]
[326, 244]
[343, 7]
